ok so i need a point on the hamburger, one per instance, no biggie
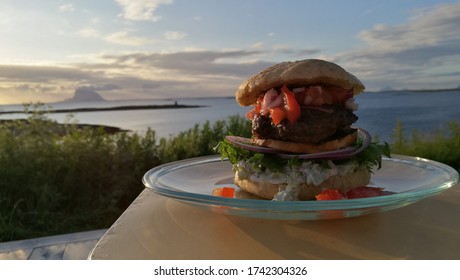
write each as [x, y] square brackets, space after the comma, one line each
[303, 142]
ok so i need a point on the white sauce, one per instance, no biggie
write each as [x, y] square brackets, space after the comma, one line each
[292, 177]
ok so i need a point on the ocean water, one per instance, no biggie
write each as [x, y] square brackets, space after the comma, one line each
[377, 112]
[426, 112]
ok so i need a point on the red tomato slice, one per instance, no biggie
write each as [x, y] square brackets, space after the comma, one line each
[291, 105]
[362, 192]
[278, 114]
[330, 194]
[224, 192]
[251, 113]
[258, 105]
[359, 192]
[256, 110]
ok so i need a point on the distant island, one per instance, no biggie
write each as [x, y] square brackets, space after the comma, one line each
[89, 94]
[85, 94]
[116, 108]
[390, 89]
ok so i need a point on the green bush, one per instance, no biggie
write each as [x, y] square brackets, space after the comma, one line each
[200, 141]
[442, 145]
[77, 179]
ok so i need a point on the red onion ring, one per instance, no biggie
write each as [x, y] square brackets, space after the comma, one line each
[269, 97]
[246, 143]
[338, 154]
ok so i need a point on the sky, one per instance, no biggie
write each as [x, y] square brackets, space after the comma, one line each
[150, 49]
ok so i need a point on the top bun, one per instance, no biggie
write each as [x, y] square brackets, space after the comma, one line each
[296, 73]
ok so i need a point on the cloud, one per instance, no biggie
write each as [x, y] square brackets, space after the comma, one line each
[106, 87]
[135, 75]
[285, 49]
[138, 10]
[149, 86]
[196, 63]
[22, 83]
[407, 55]
[33, 88]
[88, 33]
[174, 35]
[258, 45]
[66, 8]
[40, 73]
[124, 37]
[143, 74]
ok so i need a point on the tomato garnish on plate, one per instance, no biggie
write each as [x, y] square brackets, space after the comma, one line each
[359, 192]
[330, 194]
[224, 192]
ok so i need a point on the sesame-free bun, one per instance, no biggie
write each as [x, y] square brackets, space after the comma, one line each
[360, 177]
[296, 73]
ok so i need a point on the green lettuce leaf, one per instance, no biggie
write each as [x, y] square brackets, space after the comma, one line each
[371, 157]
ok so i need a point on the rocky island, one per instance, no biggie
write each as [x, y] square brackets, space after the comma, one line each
[89, 94]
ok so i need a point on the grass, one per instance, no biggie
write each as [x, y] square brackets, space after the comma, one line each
[58, 179]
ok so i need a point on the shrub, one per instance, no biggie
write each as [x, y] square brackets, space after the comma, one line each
[56, 179]
[200, 141]
[442, 145]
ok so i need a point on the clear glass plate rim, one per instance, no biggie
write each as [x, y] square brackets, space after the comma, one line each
[402, 197]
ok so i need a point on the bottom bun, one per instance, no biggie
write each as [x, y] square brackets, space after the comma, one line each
[266, 190]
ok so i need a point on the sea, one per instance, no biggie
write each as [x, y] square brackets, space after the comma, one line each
[378, 113]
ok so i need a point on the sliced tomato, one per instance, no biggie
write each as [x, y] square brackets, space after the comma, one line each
[362, 192]
[256, 110]
[330, 194]
[291, 105]
[251, 113]
[359, 192]
[258, 106]
[278, 114]
[224, 192]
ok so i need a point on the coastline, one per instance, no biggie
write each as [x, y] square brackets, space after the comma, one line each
[415, 90]
[116, 108]
[59, 128]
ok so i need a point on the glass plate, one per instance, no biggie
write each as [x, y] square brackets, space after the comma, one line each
[407, 179]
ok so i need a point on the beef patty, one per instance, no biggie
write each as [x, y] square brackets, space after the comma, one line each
[313, 126]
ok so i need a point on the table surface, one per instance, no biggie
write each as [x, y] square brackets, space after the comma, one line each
[157, 227]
